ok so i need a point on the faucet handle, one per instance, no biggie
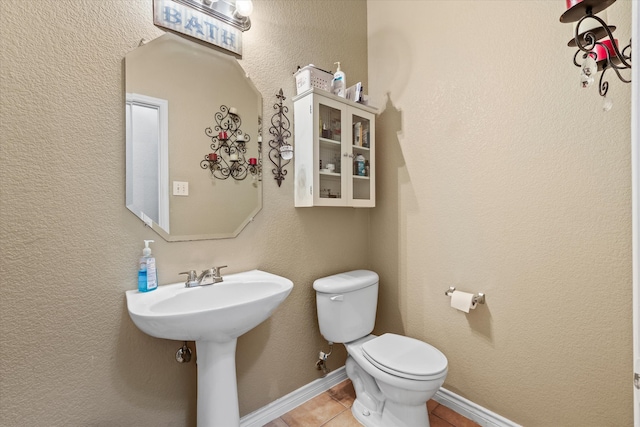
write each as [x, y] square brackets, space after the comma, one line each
[216, 273]
[191, 277]
[218, 268]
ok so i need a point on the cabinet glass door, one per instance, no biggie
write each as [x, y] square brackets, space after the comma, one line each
[330, 153]
[362, 157]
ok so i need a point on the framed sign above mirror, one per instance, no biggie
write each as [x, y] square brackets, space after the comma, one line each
[218, 23]
[174, 88]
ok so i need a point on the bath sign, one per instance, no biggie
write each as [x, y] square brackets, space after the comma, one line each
[185, 20]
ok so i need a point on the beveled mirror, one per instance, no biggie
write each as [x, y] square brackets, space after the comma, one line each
[174, 88]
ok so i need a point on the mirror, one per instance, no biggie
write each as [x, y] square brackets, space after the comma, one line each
[174, 88]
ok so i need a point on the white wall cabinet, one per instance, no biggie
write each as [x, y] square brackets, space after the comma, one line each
[334, 151]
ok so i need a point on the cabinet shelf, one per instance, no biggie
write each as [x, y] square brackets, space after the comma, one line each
[330, 141]
[330, 174]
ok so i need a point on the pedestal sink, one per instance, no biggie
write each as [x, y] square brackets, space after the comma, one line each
[213, 316]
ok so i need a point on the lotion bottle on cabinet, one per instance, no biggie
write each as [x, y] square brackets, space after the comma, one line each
[339, 83]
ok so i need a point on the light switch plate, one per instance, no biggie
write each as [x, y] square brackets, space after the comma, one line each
[180, 188]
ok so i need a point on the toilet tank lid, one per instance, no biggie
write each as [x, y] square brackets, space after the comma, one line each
[346, 282]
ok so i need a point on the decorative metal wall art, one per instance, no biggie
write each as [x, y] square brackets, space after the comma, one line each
[280, 151]
[598, 49]
[229, 146]
[258, 173]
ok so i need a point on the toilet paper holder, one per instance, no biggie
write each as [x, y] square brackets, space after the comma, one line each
[477, 299]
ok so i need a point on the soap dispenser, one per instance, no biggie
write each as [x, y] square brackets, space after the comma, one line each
[339, 83]
[147, 278]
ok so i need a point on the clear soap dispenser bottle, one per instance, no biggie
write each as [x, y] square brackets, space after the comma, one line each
[147, 278]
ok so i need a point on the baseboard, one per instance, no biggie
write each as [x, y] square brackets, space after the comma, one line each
[474, 412]
[292, 400]
[459, 404]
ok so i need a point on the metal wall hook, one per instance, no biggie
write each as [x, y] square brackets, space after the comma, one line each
[477, 298]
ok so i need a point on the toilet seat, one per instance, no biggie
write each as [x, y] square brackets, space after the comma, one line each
[405, 357]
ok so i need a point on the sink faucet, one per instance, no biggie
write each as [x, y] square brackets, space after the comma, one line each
[207, 277]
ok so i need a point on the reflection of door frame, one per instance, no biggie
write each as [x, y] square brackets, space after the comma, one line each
[635, 166]
[162, 107]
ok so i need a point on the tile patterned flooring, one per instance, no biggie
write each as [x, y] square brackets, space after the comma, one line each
[333, 409]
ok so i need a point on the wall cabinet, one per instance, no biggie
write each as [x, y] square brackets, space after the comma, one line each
[334, 151]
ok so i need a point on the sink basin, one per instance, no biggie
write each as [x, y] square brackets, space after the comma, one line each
[219, 312]
[213, 316]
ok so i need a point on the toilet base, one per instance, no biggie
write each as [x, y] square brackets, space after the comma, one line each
[364, 416]
[411, 416]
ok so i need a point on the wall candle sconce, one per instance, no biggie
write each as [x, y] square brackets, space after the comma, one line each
[229, 146]
[256, 169]
[281, 152]
[594, 39]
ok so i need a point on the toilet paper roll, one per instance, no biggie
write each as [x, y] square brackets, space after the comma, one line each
[463, 301]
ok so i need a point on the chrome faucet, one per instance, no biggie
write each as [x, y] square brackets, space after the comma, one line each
[207, 277]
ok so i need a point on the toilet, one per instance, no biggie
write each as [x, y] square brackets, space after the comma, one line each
[393, 375]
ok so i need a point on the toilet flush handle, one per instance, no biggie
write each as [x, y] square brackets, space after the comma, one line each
[337, 298]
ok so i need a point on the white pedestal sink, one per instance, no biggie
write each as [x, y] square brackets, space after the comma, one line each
[213, 316]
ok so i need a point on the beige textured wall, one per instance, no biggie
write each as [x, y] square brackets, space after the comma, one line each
[497, 173]
[69, 354]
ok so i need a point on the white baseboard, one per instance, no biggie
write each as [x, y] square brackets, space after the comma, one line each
[459, 404]
[474, 412]
[292, 400]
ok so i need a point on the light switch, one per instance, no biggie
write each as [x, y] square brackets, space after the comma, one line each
[180, 188]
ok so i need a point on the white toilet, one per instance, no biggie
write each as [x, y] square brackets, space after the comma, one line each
[393, 375]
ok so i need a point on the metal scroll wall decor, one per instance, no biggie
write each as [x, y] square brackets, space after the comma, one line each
[598, 49]
[280, 151]
[229, 147]
[259, 172]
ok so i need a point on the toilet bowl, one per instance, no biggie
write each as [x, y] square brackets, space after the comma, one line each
[393, 375]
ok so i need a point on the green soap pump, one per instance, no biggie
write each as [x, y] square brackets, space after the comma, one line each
[147, 279]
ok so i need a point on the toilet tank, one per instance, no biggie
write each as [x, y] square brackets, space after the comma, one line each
[347, 304]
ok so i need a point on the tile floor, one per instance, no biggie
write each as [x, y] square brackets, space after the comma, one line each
[333, 409]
